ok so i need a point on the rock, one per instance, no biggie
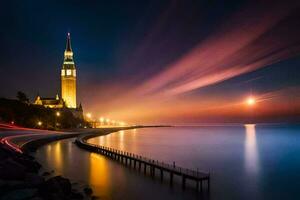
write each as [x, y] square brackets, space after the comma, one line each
[15, 184]
[11, 170]
[57, 185]
[19, 194]
[3, 154]
[36, 198]
[2, 183]
[9, 185]
[75, 196]
[31, 165]
[19, 179]
[46, 174]
[33, 179]
[88, 191]
[94, 198]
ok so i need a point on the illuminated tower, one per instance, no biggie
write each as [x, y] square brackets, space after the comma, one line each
[68, 77]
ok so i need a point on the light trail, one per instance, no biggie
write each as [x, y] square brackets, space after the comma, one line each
[8, 140]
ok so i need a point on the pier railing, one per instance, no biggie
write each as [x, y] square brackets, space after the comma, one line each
[148, 163]
[165, 165]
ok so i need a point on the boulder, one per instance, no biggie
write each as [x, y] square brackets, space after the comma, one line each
[33, 179]
[46, 174]
[31, 165]
[57, 186]
[3, 154]
[88, 191]
[11, 170]
[10, 185]
[75, 196]
[94, 198]
[19, 194]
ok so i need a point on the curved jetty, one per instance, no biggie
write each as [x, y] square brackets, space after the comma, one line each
[141, 163]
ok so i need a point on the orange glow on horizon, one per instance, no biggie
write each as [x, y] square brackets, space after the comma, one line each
[226, 106]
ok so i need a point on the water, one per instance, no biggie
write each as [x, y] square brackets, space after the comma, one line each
[245, 162]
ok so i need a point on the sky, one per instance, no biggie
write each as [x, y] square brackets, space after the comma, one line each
[152, 61]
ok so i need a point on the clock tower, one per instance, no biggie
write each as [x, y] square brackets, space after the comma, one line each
[68, 77]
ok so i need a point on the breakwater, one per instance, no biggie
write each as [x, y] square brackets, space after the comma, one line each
[147, 165]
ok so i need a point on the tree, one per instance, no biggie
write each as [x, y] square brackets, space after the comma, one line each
[22, 97]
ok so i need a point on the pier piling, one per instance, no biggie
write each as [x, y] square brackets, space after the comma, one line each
[127, 159]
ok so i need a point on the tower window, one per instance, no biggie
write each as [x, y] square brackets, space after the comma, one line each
[69, 72]
[62, 72]
[74, 72]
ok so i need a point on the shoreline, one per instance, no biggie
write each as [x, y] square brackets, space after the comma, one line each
[20, 178]
[29, 182]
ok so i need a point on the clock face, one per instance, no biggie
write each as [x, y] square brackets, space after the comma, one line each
[62, 72]
[69, 72]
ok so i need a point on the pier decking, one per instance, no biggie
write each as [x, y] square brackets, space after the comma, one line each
[144, 164]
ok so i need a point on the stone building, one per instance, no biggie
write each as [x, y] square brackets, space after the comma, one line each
[68, 86]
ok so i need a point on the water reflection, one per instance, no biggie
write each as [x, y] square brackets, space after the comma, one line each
[121, 140]
[54, 153]
[251, 154]
[242, 160]
[57, 156]
[98, 175]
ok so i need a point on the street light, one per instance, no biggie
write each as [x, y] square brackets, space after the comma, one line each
[57, 115]
[40, 123]
[89, 115]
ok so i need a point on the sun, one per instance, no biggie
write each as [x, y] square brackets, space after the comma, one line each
[250, 101]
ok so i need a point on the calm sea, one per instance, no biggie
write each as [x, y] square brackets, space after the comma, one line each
[245, 162]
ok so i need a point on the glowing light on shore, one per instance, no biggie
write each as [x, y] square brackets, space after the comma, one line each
[40, 123]
[122, 123]
[89, 115]
[57, 114]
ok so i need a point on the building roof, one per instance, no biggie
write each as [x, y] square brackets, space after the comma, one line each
[47, 98]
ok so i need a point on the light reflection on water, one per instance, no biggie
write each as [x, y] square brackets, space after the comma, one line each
[57, 156]
[108, 179]
[246, 162]
[251, 153]
[99, 174]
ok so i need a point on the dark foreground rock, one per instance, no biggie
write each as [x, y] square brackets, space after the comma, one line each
[88, 191]
[19, 179]
[58, 188]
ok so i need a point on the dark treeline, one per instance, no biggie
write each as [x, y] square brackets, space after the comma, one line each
[35, 116]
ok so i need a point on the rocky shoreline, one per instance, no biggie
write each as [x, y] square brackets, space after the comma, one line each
[20, 179]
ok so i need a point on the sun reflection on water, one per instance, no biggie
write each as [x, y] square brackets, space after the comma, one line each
[251, 154]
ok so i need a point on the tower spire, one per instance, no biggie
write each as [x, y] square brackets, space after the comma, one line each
[68, 46]
[68, 77]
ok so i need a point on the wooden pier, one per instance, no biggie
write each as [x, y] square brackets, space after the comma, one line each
[145, 165]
